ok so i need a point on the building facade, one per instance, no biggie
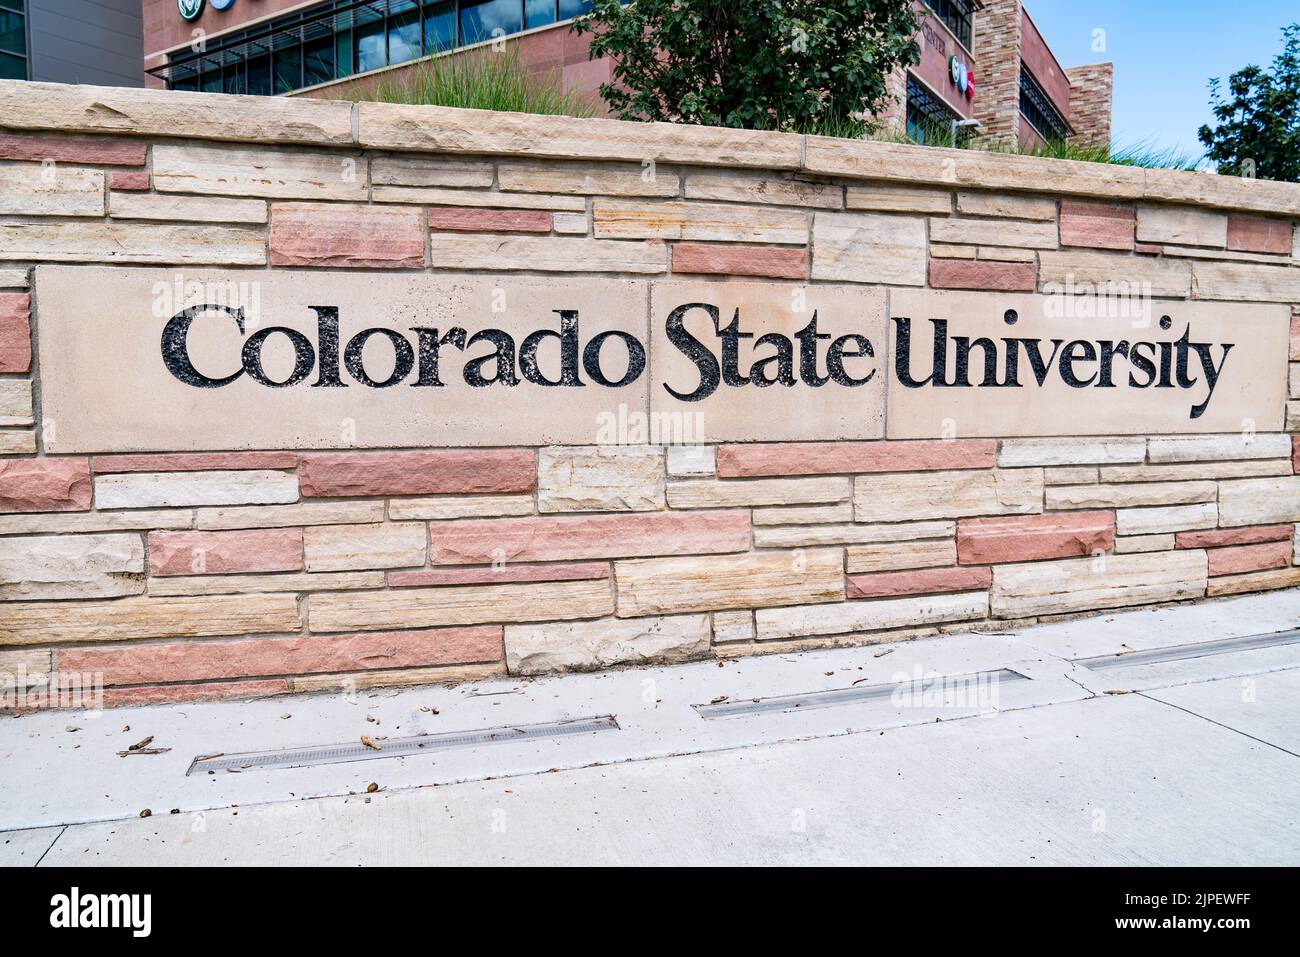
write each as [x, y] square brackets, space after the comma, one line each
[98, 42]
[985, 69]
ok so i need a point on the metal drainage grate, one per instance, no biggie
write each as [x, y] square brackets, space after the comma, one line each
[964, 684]
[400, 747]
[1202, 649]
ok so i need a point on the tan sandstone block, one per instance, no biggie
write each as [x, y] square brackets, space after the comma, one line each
[901, 555]
[484, 199]
[763, 189]
[869, 248]
[1022, 452]
[1081, 584]
[1263, 501]
[131, 242]
[429, 171]
[612, 478]
[723, 493]
[702, 221]
[910, 496]
[458, 605]
[241, 171]
[587, 645]
[31, 665]
[1070, 475]
[1164, 519]
[397, 677]
[14, 278]
[1245, 282]
[193, 209]
[244, 584]
[1125, 496]
[51, 191]
[1165, 277]
[690, 460]
[547, 254]
[1253, 582]
[859, 616]
[1195, 471]
[1215, 448]
[587, 180]
[286, 516]
[13, 442]
[333, 548]
[443, 507]
[32, 623]
[892, 198]
[1126, 545]
[803, 536]
[659, 586]
[985, 232]
[71, 566]
[1000, 204]
[15, 402]
[64, 523]
[1184, 225]
[733, 626]
[839, 513]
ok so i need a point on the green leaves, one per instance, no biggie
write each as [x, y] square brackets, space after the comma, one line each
[801, 65]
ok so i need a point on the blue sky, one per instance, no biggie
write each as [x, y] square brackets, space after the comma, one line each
[1164, 54]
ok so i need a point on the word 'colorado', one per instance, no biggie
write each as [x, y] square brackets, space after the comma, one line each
[507, 363]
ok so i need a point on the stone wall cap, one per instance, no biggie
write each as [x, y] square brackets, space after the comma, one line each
[448, 130]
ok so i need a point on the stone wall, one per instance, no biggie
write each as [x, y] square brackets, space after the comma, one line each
[193, 560]
[1091, 88]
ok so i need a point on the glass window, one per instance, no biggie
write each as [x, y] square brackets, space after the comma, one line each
[287, 61]
[343, 53]
[371, 43]
[13, 32]
[538, 13]
[957, 16]
[574, 8]
[487, 19]
[439, 26]
[318, 63]
[1039, 110]
[210, 82]
[12, 67]
[234, 78]
[403, 32]
[259, 75]
[929, 120]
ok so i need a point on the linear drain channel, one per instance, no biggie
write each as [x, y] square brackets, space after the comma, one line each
[1202, 649]
[400, 747]
[974, 687]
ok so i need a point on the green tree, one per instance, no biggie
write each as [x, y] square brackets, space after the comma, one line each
[803, 65]
[1259, 118]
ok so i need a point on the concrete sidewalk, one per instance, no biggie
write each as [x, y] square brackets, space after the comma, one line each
[1045, 758]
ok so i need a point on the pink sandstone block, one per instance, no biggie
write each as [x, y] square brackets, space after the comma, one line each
[128, 181]
[836, 458]
[1217, 538]
[449, 472]
[15, 332]
[473, 220]
[223, 553]
[1097, 225]
[1249, 558]
[1148, 249]
[344, 234]
[182, 462]
[253, 657]
[214, 691]
[91, 152]
[45, 485]
[1025, 538]
[565, 538]
[766, 261]
[501, 574]
[922, 581]
[1256, 234]
[972, 274]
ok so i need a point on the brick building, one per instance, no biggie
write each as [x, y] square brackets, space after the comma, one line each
[984, 65]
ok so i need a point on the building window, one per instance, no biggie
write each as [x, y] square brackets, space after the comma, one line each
[929, 120]
[13, 40]
[957, 15]
[338, 39]
[1038, 109]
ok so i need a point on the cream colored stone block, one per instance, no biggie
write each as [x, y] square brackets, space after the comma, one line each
[1293, 381]
[946, 251]
[1215, 448]
[57, 622]
[1253, 582]
[839, 513]
[546, 254]
[1245, 282]
[663, 586]
[15, 402]
[570, 224]
[1017, 453]
[287, 516]
[427, 196]
[587, 645]
[857, 616]
[804, 536]
[65, 523]
[1082, 584]
[54, 190]
[617, 478]
[171, 489]
[732, 493]
[244, 584]
[1070, 475]
[352, 682]
[25, 667]
[244, 171]
[333, 548]
[71, 566]
[458, 605]
[1126, 545]
[869, 248]
[1127, 496]
[17, 443]
[985, 232]
[13, 278]
[1196, 471]
[763, 189]
[686, 461]
[131, 242]
[1002, 204]
[1251, 385]
[885, 197]
[612, 219]
[429, 171]
[795, 410]
[1263, 501]
[1167, 518]
[908, 496]
[191, 209]
[896, 556]
[733, 626]
[442, 507]
[1069, 269]
[1005, 255]
[1185, 225]
[607, 179]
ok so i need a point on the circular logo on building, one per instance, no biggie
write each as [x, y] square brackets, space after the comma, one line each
[954, 68]
[190, 9]
[222, 4]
